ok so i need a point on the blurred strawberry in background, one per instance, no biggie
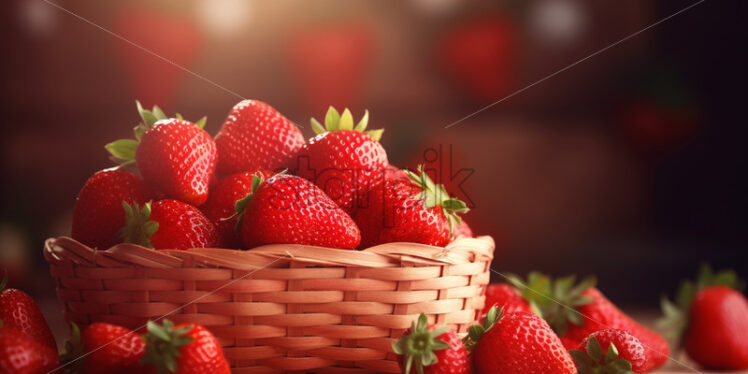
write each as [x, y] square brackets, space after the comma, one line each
[171, 36]
[330, 61]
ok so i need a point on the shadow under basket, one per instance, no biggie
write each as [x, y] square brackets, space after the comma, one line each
[281, 307]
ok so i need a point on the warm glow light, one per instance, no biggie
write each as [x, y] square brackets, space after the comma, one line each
[37, 17]
[223, 18]
[558, 21]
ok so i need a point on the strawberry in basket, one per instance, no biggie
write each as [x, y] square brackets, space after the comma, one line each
[221, 206]
[168, 224]
[412, 209]
[175, 157]
[255, 136]
[291, 209]
[344, 160]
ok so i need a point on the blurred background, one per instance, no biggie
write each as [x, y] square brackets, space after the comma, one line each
[627, 165]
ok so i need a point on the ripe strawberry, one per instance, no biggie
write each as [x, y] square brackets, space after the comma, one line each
[342, 160]
[427, 349]
[714, 317]
[20, 354]
[592, 312]
[462, 230]
[19, 311]
[168, 224]
[221, 206]
[186, 348]
[174, 156]
[414, 210]
[98, 214]
[255, 136]
[611, 351]
[291, 209]
[517, 343]
[105, 349]
[505, 296]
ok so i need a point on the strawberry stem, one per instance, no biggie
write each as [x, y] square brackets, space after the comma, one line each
[433, 195]
[418, 347]
[162, 345]
[335, 121]
[595, 362]
[138, 226]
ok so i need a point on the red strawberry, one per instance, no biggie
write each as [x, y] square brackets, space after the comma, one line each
[19, 311]
[105, 349]
[427, 349]
[345, 161]
[98, 214]
[520, 343]
[174, 156]
[220, 207]
[254, 137]
[20, 354]
[414, 210]
[505, 296]
[611, 351]
[168, 224]
[714, 317]
[186, 348]
[462, 230]
[290, 209]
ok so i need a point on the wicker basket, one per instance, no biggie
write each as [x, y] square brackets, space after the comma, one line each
[280, 308]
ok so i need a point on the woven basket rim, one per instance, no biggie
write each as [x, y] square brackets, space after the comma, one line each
[461, 251]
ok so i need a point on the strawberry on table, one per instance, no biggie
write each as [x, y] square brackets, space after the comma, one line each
[611, 351]
[255, 136]
[428, 349]
[174, 156]
[98, 214]
[186, 348]
[517, 343]
[168, 224]
[104, 348]
[291, 209]
[345, 161]
[19, 354]
[220, 207]
[19, 312]
[409, 210]
[505, 296]
[714, 317]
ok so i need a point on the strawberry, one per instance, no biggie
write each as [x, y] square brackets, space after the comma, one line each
[186, 348]
[291, 209]
[611, 351]
[220, 207]
[174, 156]
[345, 161]
[19, 311]
[255, 136]
[505, 296]
[517, 343]
[105, 349]
[714, 317]
[168, 224]
[590, 311]
[98, 214]
[19, 354]
[462, 230]
[427, 349]
[409, 210]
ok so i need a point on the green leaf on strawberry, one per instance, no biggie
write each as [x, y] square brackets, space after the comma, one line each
[475, 332]
[433, 195]
[418, 347]
[594, 361]
[335, 121]
[162, 345]
[138, 226]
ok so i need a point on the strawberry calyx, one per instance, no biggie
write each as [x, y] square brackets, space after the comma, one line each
[138, 227]
[594, 361]
[344, 121]
[122, 151]
[676, 313]
[433, 195]
[241, 205]
[475, 332]
[73, 350]
[556, 301]
[418, 347]
[162, 345]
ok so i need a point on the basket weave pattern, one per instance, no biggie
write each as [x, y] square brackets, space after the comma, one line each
[280, 308]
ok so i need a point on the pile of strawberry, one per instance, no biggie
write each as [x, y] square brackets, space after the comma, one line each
[260, 182]
[542, 326]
